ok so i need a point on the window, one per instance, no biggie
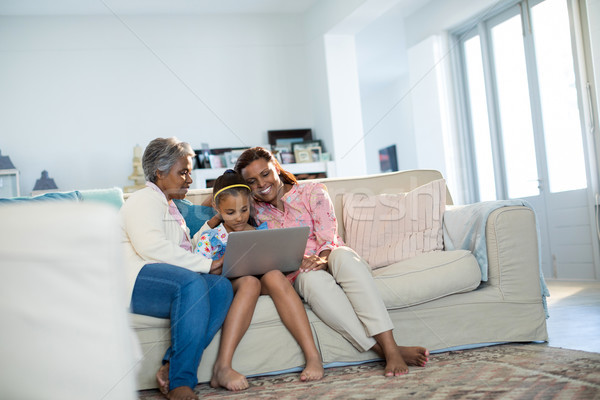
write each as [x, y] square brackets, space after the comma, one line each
[521, 102]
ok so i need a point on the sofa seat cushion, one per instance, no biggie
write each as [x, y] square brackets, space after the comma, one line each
[265, 313]
[427, 277]
[138, 321]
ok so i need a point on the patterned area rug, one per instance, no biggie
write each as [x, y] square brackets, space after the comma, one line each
[511, 371]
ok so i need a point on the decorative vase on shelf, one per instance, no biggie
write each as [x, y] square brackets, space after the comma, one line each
[137, 176]
[44, 185]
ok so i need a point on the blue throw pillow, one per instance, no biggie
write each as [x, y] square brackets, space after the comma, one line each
[195, 216]
[52, 196]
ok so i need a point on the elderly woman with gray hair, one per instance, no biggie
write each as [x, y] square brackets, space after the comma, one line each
[165, 278]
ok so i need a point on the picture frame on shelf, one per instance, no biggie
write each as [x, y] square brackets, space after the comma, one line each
[202, 156]
[217, 160]
[303, 155]
[312, 146]
[315, 153]
[288, 158]
[283, 155]
[232, 157]
[280, 138]
[224, 157]
[308, 144]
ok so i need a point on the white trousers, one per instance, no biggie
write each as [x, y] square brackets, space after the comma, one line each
[346, 298]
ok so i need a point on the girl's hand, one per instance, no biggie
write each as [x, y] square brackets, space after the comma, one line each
[216, 267]
[313, 263]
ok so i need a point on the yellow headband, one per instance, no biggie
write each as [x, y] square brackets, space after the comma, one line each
[229, 187]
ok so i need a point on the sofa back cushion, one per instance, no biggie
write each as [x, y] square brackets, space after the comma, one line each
[393, 182]
[370, 185]
[50, 196]
[111, 196]
[388, 228]
[195, 215]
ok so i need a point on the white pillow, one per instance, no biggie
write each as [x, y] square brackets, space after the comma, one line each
[387, 228]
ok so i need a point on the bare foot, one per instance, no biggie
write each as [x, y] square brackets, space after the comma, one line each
[394, 363]
[313, 371]
[162, 377]
[417, 356]
[182, 393]
[228, 378]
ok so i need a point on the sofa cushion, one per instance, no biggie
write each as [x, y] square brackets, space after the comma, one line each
[194, 215]
[265, 313]
[111, 196]
[51, 196]
[388, 228]
[427, 277]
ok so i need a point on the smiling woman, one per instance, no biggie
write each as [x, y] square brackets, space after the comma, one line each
[334, 280]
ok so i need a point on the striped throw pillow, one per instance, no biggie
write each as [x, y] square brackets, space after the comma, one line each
[388, 228]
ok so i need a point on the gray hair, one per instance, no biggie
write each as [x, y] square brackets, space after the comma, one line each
[161, 154]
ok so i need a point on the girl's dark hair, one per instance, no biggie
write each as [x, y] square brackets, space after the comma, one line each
[229, 178]
[256, 153]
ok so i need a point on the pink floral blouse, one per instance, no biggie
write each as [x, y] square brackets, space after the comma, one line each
[306, 204]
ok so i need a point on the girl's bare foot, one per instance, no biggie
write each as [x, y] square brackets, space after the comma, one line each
[228, 378]
[162, 377]
[313, 371]
[394, 363]
[417, 356]
[182, 393]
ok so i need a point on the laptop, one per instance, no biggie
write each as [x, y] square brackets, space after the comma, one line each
[260, 251]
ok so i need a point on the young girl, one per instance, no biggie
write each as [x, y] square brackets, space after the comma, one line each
[231, 199]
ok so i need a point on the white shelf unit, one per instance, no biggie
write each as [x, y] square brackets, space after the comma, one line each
[200, 176]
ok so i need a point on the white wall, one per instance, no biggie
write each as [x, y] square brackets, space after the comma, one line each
[77, 93]
[429, 101]
[318, 21]
[385, 90]
[406, 94]
[345, 109]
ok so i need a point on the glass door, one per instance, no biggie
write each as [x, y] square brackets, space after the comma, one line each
[526, 127]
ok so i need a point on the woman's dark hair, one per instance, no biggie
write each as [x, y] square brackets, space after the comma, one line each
[256, 153]
[233, 179]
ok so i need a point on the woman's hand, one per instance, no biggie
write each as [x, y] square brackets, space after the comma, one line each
[314, 262]
[214, 221]
[216, 267]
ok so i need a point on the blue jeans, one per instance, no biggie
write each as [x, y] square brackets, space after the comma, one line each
[197, 305]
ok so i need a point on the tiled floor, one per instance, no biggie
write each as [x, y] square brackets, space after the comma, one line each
[574, 308]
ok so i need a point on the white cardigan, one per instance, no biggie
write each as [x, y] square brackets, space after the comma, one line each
[150, 234]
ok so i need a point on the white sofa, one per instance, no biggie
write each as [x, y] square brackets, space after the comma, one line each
[436, 299]
[65, 332]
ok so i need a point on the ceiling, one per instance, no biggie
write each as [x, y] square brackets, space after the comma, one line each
[152, 7]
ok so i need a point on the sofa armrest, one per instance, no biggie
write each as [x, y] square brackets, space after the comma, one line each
[513, 253]
[503, 237]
